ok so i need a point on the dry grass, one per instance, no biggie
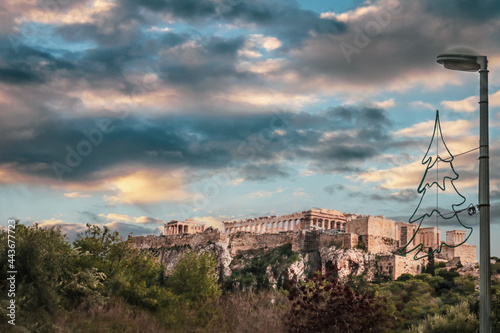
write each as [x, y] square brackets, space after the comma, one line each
[250, 312]
[246, 312]
[117, 317]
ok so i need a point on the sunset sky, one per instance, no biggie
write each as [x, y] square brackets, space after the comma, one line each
[134, 113]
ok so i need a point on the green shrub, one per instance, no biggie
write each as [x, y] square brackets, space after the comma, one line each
[457, 318]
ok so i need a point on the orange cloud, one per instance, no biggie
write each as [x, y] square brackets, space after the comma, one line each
[147, 186]
[86, 12]
[118, 186]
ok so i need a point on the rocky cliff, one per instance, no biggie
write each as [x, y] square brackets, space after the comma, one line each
[248, 260]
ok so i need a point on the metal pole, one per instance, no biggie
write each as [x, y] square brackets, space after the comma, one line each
[484, 203]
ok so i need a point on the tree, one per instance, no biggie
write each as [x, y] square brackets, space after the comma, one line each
[458, 318]
[324, 305]
[132, 275]
[195, 277]
[430, 267]
[49, 280]
[437, 153]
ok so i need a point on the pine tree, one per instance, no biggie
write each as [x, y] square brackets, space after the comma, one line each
[439, 158]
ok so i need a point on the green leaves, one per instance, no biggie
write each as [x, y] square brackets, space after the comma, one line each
[195, 277]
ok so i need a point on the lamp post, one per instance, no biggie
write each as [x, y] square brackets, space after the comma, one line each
[466, 60]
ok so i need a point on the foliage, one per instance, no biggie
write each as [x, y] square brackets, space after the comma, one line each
[48, 280]
[430, 267]
[195, 278]
[254, 273]
[457, 318]
[135, 277]
[324, 305]
[495, 308]
[410, 299]
[103, 283]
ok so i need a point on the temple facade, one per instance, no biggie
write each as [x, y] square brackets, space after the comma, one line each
[326, 219]
[182, 227]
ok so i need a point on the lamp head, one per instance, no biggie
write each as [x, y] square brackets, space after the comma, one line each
[461, 59]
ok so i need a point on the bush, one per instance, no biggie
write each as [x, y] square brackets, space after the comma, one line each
[458, 318]
[195, 278]
[49, 280]
[324, 305]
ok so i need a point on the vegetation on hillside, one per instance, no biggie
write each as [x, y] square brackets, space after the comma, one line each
[100, 283]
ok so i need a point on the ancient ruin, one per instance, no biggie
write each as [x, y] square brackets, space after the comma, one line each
[182, 227]
[321, 230]
[326, 219]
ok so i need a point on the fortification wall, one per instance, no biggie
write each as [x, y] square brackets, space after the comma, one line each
[466, 253]
[375, 244]
[346, 241]
[151, 241]
[396, 265]
[244, 241]
[373, 226]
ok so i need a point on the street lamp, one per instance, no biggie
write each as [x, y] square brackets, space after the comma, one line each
[462, 59]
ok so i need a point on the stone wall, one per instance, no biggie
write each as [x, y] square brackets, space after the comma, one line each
[192, 240]
[395, 265]
[244, 241]
[466, 253]
[375, 244]
[332, 248]
[346, 241]
[371, 225]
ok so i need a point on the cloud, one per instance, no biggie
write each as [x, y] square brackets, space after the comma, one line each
[330, 139]
[210, 221]
[470, 104]
[77, 195]
[397, 178]
[144, 187]
[264, 194]
[159, 29]
[268, 43]
[126, 229]
[466, 105]
[421, 105]
[332, 189]
[384, 104]
[71, 230]
[424, 129]
[374, 46]
[116, 217]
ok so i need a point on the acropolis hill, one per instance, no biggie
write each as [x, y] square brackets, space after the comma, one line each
[337, 237]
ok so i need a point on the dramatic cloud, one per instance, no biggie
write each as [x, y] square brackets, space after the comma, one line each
[69, 148]
[123, 112]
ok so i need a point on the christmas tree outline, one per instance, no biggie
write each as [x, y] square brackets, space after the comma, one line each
[430, 162]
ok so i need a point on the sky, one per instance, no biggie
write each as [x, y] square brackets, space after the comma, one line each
[130, 114]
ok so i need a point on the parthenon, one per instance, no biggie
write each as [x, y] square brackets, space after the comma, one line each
[327, 219]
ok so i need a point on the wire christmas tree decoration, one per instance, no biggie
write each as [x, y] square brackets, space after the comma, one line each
[432, 159]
